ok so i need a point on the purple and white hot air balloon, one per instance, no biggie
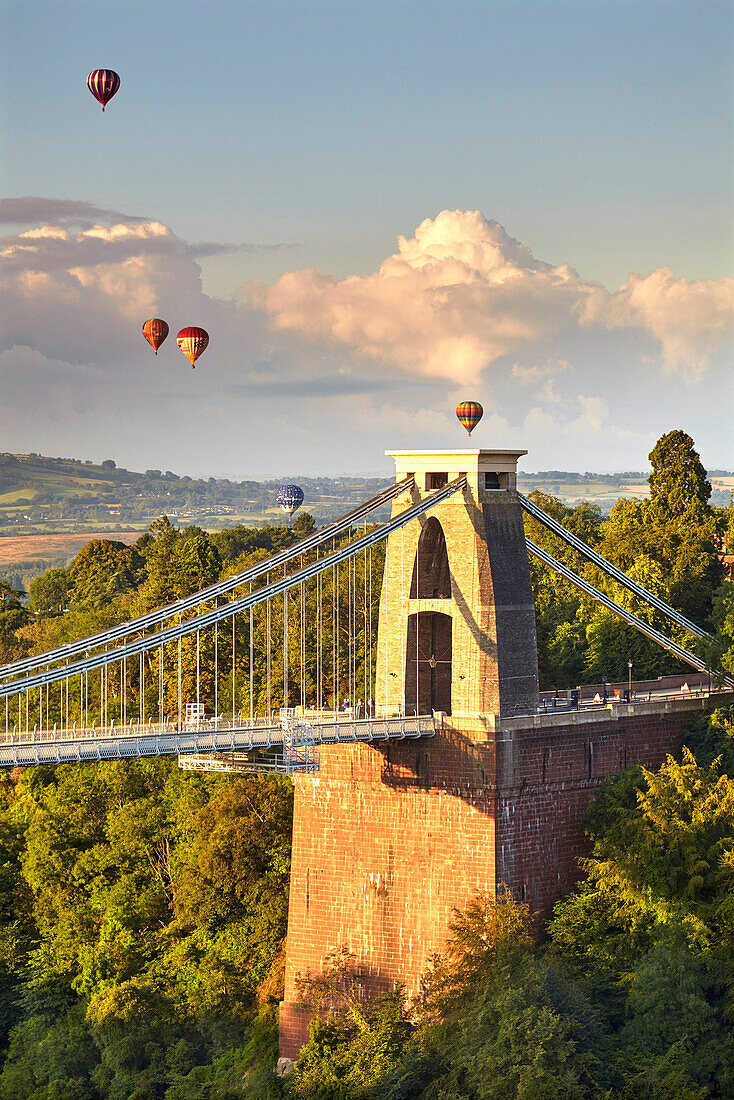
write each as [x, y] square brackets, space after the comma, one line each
[290, 498]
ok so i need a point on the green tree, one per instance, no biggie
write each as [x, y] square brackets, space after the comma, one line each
[144, 909]
[102, 571]
[13, 616]
[176, 566]
[349, 1059]
[233, 878]
[303, 526]
[663, 854]
[676, 1042]
[51, 1059]
[668, 544]
[17, 928]
[678, 480]
[501, 1021]
[723, 619]
[673, 554]
[560, 624]
[49, 592]
[10, 598]
[197, 564]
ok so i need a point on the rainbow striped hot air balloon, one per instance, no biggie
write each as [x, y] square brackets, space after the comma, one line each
[469, 413]
[103, 83]
[155, 331]
[193, 342]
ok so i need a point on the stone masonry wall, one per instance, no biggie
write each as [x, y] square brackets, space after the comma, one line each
[387, 841]
[494, 653]
[384, 843]
[547, 777]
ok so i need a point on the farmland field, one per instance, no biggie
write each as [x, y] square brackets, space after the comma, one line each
[18, 495]
[29, 548]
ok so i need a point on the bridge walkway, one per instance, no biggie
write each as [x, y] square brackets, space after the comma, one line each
[284, 742]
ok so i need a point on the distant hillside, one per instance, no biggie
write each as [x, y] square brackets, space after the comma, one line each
[604, 489]
[50, 506]
[40, 494]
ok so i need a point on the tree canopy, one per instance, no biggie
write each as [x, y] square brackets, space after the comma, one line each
[102, 571]
[669, 543]
[142, 911]
[678, 480]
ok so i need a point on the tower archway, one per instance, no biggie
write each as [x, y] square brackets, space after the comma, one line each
[431, 578]
[428, 663]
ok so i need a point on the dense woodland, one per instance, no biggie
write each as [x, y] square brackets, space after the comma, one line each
[667, 543]
[143, 909]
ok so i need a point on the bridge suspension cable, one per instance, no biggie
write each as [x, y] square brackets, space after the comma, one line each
[228, 584]
[623, 613]
[611, 570]
[207, 619]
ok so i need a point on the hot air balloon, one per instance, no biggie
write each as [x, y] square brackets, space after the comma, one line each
[469, 413]
[193, 342]
[103, 83]
[155, 331]
[290, 498]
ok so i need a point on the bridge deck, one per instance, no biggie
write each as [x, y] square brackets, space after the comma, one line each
[209, 735]
[276, 742]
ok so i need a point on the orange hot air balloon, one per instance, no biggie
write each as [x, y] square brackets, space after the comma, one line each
[155, 331]
[193, 342]
[469, 413]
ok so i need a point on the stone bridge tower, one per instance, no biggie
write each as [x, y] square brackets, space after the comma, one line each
[457, 618]
[389, 838]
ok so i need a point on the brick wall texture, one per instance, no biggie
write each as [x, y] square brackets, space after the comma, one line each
[388, 840]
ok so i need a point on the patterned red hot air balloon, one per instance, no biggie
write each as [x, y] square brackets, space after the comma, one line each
[469, 413]
[103, 83]
[155, 331]
[193, 342]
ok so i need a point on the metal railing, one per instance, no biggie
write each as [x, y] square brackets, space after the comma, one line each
[298, 762]
[207, 735]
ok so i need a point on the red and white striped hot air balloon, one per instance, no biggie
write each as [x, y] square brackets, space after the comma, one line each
[193, 342]
[103, 83]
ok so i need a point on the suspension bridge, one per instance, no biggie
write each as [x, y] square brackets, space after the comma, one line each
[156, 685]
[390, 668]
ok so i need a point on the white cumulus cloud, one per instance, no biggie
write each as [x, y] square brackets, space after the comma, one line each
[82, 296]
[461, 294]
[353, 365]
[690, 318]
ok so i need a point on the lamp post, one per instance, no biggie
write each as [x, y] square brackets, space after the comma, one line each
[629, 682]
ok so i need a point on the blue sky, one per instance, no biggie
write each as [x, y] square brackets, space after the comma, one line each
[599, 134]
